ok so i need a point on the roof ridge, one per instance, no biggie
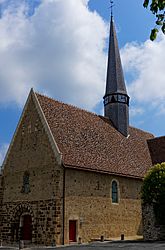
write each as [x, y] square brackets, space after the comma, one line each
[158, 137]
[87, 111]
[94, 145]
[70, 105]
[144, 131]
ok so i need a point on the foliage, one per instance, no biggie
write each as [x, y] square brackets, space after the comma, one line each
[153, 188]
[159, 213]
[157, 8]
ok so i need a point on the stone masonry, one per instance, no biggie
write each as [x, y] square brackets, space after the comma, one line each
[1, 197]
[151, 229]
[31, 152]
[39, 185]
[88, 201]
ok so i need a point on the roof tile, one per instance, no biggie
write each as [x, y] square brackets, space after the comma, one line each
[90, 142]
[157, 149]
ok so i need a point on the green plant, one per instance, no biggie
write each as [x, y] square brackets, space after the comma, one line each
[157, 8]
[153, 188]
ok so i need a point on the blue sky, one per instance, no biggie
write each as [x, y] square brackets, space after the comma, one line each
[60, 49]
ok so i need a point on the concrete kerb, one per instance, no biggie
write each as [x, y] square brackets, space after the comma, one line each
[92, 244]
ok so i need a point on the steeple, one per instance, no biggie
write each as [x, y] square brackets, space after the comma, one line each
[116, 100]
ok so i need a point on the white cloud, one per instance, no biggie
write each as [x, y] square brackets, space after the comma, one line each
[134, 111]
[146, 64]
[58, 50]
[3, 150]
[161, 109]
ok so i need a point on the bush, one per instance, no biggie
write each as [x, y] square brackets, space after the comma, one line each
[153, 189]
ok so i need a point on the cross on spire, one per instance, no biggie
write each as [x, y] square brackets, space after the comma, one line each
[111, 7]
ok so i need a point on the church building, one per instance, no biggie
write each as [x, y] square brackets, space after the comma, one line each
[71, 175]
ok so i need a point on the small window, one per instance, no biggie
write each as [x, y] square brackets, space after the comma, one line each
[115, 198]
[29, 128]
[26, 184]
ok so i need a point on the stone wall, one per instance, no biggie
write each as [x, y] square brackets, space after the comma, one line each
[151, 230]
[1, 198]
[43, 214]
[1, 190]
[88, 201]
[31, 153]
[87, 194]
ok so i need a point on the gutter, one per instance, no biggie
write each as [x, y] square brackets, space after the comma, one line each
[103, 172]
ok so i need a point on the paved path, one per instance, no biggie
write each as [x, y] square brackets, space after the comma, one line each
[119, 246]
[103, 246]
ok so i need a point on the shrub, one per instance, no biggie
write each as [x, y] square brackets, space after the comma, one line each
[153, 188]
[153, 191]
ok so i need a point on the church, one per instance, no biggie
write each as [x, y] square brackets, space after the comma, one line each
[74, 176]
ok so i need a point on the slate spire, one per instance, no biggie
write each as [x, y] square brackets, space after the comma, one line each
[116, 100]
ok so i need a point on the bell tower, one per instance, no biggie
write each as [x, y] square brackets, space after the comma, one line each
[116, 99]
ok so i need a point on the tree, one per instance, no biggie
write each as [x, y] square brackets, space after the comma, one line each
[153, 191]
[153, 188]
[157, 8]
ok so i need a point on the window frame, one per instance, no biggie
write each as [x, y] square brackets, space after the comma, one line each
[26, 183]
[116, 192]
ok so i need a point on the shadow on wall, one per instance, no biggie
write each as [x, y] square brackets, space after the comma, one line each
[140, 229]
[153, 225]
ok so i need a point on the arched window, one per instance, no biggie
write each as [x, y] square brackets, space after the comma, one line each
[26, 184]
[115, 198]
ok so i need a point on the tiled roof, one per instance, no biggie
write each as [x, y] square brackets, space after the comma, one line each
[88, 141]
[157, 149]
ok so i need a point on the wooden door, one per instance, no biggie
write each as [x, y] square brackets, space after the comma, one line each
[72, 231]
[27, 228]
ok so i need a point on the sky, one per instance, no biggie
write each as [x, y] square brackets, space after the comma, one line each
[59, 48]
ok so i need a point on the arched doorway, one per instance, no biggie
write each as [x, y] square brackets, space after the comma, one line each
[26, 227]
[22, 223]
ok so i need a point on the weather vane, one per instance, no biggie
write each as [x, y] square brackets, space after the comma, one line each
[111, 6]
